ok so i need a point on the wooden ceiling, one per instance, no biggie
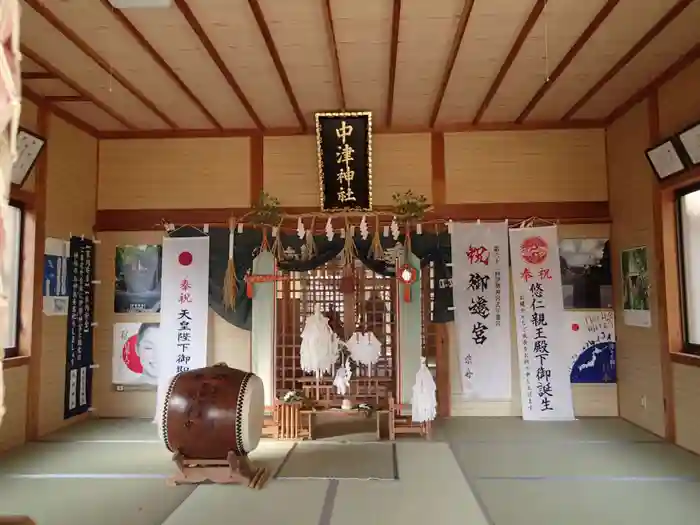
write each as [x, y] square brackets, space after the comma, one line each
[236, 67]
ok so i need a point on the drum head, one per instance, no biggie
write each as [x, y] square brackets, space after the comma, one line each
[253, 413]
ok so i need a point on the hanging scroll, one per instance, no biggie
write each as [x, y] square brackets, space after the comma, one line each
[77, 396]
[482, 309]
[539, 306]
[344, 150]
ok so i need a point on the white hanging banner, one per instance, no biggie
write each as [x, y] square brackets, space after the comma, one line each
[539, 306]
[184, 308]
[481, 297]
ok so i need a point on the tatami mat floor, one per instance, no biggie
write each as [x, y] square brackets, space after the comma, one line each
[479, 471]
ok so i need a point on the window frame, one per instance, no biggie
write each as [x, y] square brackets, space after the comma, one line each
[688, 347]
[14, 351]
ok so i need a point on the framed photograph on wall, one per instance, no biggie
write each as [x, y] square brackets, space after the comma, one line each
[29, 146]
[690, 141]
[666, 159]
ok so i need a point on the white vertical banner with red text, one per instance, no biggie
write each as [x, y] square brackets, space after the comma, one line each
[539, 311]
[184, 308]
[481, 295]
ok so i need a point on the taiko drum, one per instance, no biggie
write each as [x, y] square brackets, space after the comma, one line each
[209, 412]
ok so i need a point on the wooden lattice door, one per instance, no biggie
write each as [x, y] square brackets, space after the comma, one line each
[371, 306]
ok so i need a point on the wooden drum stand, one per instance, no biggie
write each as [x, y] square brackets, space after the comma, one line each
[234, 470]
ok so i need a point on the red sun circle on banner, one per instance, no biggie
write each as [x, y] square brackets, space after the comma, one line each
[185, 258]
[534, 250]
[575, 327]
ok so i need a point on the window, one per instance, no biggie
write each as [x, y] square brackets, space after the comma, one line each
[689, 254]
[12, 261]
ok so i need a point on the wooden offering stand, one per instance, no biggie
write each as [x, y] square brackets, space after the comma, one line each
[234, 470]
[403, 424]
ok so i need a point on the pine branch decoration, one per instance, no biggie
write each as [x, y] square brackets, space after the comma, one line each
[266, 211]
[410, 207]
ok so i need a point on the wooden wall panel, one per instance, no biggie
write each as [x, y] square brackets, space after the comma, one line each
[599, 400]
[290, 172]
[686, 387]
[631, 205]
[30, 115]
[12, 430]
[526, 166]
[400, 163]
[174, 173]
[226, 342]
[679, 106]
[679, 101]
[70, 208]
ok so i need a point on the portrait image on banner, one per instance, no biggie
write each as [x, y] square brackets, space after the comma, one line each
[185, 308]
[635, 287]
[135, 354]
[544, 366]
[481, 295]
[78, 389]
[137, 272]
[591, 341]
[344, 153]
[55, 283]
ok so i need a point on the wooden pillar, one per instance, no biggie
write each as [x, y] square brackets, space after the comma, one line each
[659, 276]
[32, 287]
[442, 358]
[442, 350]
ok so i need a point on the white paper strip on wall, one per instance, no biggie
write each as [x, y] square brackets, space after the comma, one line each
[482, 309]
[184, 308]
[539, 311]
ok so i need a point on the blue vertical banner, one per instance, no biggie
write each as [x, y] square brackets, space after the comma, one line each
[78, 389]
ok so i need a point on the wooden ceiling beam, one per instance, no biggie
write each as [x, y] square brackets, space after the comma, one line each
[393, 54]
[38, 75]
[643, 42]
[290, 132]
[66, 98]
[335, 57]
[59, 112]
[218, 61]
[575, 212]
[151, 51]
[568, 58]
[72, 36]
[452, 58]
[272, 49]
[666, 76]
[517, 46]
[75, 87]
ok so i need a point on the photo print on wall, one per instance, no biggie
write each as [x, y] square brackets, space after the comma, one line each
[585, 273]
[135, 354]
[137, 271]
[635, 287]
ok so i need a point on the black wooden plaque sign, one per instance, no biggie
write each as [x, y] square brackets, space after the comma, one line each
[344, 150]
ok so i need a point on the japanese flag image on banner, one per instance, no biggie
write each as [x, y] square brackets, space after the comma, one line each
[184, 308]
[481, 298]
[539, 309]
